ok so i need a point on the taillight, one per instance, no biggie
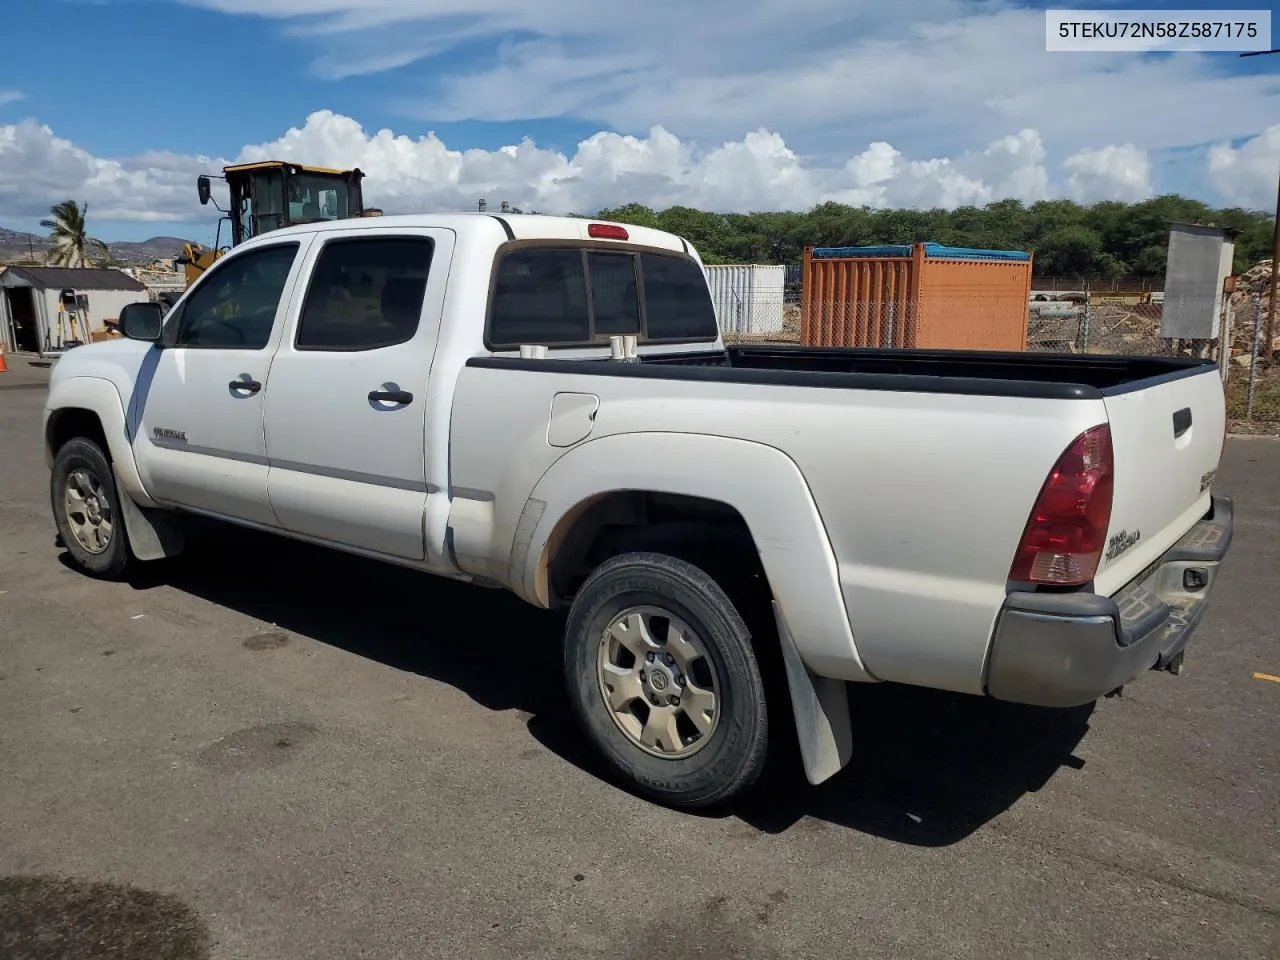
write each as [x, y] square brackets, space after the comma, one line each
[1067, 530]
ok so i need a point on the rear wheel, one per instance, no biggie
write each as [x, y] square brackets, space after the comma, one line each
[86, 509]
[664, 680]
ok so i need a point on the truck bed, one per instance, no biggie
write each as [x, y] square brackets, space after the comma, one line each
[925, 465]
[1038, 375]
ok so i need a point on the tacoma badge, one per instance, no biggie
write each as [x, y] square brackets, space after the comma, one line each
[1120, 542]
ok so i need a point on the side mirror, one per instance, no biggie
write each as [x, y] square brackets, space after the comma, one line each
[203, 189]
[142, 321]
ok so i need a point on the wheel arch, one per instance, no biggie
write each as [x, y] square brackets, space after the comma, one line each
[68, 423]
[748, 487]
[78, 403]
[91, 407]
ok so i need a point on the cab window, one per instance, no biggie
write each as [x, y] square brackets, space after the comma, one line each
[572, 296]
[235, 306]
[365, 293]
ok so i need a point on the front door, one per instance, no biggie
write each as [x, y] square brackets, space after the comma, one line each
[346, 412]
[196, 415]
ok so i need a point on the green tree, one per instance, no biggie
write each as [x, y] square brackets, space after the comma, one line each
[1151, 261]
[635, 213]
[1106, 240]
[70, 241]
[1070, 251]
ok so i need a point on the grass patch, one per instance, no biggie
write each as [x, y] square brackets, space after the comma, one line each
[1266, 396]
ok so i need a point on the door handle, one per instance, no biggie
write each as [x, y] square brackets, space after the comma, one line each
[390, 396]
[1181, 422]
[245, 386]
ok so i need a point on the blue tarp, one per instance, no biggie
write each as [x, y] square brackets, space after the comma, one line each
[933, 251]
[840, 253]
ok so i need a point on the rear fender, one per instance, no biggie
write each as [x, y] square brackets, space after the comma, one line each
[768, 490]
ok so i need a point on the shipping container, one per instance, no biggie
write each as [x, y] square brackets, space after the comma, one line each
[748, 298]
[925, 296]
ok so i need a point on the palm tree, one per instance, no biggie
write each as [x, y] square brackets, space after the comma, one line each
[70, 241]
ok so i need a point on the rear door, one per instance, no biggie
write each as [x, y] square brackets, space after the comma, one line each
[345, 413]
[1167, 440]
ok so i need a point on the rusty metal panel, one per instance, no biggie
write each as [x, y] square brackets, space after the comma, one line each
[923, 296]
[973, 305]
[855, 302]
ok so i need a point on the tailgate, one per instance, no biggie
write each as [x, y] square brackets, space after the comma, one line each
[1167, 439]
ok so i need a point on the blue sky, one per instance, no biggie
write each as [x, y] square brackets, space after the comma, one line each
[140, 74]
[123, 102]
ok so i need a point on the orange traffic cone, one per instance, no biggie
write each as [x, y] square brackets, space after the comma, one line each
[3, 366]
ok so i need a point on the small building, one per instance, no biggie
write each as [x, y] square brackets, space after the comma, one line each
[33, 318]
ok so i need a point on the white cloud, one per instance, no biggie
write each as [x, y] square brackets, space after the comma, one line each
[10, 96]
[1247, 175]
[1110, 173]
[936, 75]
[416, 174]
[38, 169]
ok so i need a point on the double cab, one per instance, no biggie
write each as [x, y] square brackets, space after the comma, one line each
[741, 535]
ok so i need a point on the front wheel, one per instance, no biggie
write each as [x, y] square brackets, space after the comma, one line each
[86, 509]
[664, 680]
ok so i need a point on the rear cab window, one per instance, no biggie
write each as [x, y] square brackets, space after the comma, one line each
[577, 296]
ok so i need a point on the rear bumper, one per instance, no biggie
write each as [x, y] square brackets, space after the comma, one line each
[1067, 649]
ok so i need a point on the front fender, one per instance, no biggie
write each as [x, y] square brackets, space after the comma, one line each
[102, 398]
[761, 482]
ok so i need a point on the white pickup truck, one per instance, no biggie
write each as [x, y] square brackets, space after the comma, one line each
[740, 534]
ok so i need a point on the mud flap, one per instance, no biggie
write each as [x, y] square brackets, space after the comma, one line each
[153, 534]
[821, 707]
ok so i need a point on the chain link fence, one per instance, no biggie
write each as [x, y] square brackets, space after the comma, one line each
[1249, 372]
[1064, 322]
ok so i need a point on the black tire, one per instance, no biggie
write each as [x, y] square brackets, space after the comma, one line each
[76, 455]
[733, 756]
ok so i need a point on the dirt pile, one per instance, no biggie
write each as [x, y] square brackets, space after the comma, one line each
[1254, 281]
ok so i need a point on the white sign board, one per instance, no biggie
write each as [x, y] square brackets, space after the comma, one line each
[1199, 262]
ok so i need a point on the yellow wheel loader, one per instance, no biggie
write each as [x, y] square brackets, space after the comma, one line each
[270, 195]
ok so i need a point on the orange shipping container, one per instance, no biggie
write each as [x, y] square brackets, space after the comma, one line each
[925, 296]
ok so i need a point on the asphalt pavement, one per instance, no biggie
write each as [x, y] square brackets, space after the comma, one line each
[266, 750]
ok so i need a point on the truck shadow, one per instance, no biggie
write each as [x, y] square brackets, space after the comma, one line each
[935, 767]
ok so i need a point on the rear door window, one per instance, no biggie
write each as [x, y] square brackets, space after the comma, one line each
[365, 293]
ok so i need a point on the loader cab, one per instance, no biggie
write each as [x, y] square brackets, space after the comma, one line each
[269, 195]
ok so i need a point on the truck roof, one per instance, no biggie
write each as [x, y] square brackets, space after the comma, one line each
[522, 226]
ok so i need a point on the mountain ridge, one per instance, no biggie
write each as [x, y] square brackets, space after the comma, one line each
[18, 245]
